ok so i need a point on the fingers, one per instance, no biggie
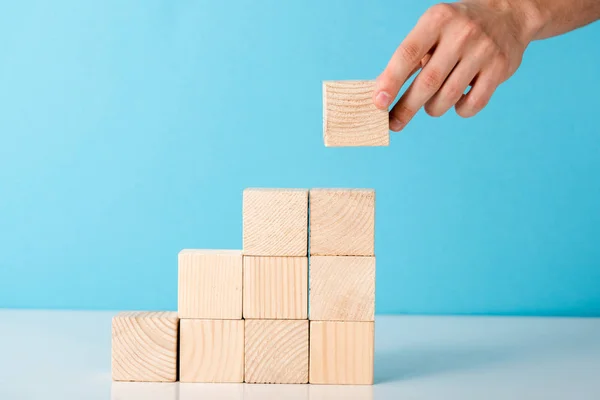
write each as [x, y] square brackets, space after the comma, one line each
[406, 60]
[457, 83]
[480, 94]
[425, 85]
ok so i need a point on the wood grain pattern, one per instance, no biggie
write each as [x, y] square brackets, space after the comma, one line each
[342, 353]
[144, 346]
[349, 116]
[342, 288]
[276, 351]
[210, 284]
[275, 222]
[342, 222]
[275, 287]
[211, 351]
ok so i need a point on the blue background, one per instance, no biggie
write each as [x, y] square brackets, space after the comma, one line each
[128, 130]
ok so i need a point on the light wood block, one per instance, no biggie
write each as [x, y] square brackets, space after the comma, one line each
[276, 351]
[211, 351]
[342, 288]
[342, 353]
[342, 222]
[210, 284]
[275, 222]
[144, 346]
[349, 116]
[275, 287]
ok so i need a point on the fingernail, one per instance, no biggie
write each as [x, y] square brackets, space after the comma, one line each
[383, 100]
[395, 124]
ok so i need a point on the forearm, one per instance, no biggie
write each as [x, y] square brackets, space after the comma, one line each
[547, 18]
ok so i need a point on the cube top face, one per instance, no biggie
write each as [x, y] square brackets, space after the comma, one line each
[275, 222]
[350, 117]
[276, 351]
[144, 346]
[211, 351]
[210, 284]
[164, 315]
[342, 222]
[342, 288]
[211, 252]
[342, 353]
[275, 287]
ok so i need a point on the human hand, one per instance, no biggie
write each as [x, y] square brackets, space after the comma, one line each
[477, 43]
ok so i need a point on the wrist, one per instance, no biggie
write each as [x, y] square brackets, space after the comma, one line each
[527, 16]
[530, 17]
[534, 18]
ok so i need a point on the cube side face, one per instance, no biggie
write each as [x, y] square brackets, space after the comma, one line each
[350, 117]
[342, 288]
[342, 222]
[342, 353]
[276, 351]
[275, 287]
[275, 222]
[210, 285]
[211, 351]
[144, 347]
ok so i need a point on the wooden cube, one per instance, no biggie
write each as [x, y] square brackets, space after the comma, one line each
[342, 288]
[211, 351]
[342, 222]
[275, 287]
[275, 222]
[350, 117]
[210, 284]
[342, 353]
[144, 346]
[276, 351]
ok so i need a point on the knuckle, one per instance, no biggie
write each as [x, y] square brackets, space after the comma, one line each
[503, 64]
[431, 79]
[409, 52]
[470, 30]
[452, 92]
[476, 103]
[488, 46]
[440, 13]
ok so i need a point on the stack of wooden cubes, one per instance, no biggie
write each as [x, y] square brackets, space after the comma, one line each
[243, 316]
[297, 304]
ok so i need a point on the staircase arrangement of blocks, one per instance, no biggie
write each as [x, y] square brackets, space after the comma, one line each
[296, 305]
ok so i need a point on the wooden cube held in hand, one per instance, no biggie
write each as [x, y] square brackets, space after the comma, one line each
[211, 351]
[276, 351]
[144, 346]
[342, 353]
[210, 284]
[342, 288]
[342, 222]
[350, 117]
[275, 222]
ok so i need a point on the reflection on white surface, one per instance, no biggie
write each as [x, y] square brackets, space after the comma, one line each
[230, 391]
[144, 390]
[211, 391]
[327, 392]
[287, 392]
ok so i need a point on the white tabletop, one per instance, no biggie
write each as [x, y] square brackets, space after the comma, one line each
[66, 355]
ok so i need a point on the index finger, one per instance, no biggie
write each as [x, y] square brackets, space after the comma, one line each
[405, 60]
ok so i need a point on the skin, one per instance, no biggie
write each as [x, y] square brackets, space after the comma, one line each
[476, 44]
